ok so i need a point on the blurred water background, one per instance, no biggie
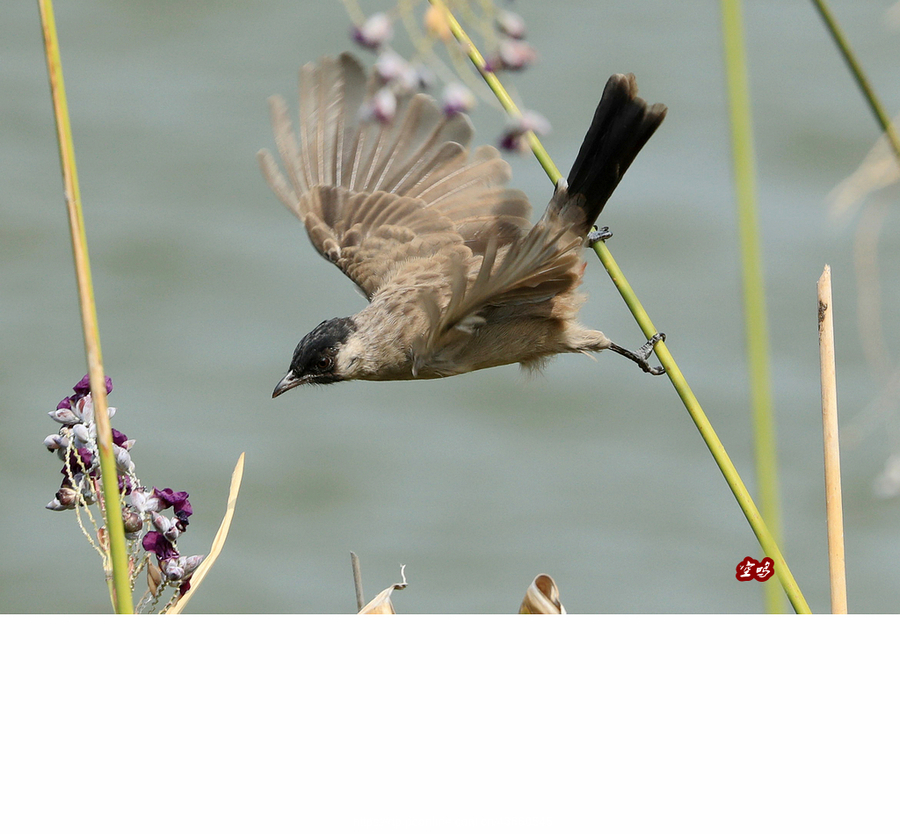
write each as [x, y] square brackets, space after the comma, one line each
[591, 472]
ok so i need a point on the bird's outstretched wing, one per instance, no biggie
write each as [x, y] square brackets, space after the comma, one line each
[373, 194]
[534, 275]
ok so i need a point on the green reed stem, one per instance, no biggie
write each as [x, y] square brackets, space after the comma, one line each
[112, 508]
[765, 538]
[856, 71]
[755, 319]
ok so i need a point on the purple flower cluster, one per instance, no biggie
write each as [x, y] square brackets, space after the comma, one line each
[161, 540]
[398, 77]
[76, 446]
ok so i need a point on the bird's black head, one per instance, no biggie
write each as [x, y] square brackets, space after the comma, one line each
[315, 358]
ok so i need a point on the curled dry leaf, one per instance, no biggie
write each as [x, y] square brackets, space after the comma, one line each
[542, 597]
[382, 603]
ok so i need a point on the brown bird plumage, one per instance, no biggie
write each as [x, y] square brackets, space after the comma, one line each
[456, 276]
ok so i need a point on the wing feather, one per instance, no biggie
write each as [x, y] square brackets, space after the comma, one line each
[366, 187]
[536, 267]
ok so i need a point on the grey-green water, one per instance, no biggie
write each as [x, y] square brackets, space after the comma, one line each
[592, 472]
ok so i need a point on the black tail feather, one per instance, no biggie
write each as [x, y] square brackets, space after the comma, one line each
[621, 126]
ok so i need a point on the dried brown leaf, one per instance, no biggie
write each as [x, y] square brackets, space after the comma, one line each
[218, 541]
[542, 597]
[382, 603]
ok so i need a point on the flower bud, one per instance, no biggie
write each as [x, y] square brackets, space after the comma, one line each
[513, 139]
[381, 106]
[67, 497]
[376, 31]
[176, 570]
[514, 55]
[81, 435]
[161, 522]
[173, 569]
[84, 409]
[54, 442]
[123, 459]
[66, 416]
[133, 522]
[511, 24]
[191, 563]
[390, 66]
[457, 98]
[402, 76]
[143, 501]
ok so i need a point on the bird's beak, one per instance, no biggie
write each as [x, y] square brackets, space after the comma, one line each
[289, 381]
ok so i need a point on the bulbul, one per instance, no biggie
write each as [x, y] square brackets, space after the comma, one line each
[456, 276]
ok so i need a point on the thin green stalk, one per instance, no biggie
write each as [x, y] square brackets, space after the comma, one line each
[857, 71]
[112, 508]
[755, 319]
[765, 538]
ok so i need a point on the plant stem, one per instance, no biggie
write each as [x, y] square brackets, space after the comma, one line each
[856, 71]
[499, 91]
[765, 538]
[833, 503]
[357, 582]
[755, 319]
[111, 501]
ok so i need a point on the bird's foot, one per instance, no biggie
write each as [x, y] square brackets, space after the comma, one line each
[596, 234]
[640, 356]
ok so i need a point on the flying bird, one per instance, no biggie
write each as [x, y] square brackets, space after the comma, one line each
[456, 276]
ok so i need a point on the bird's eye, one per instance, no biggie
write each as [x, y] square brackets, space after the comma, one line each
[323, 363]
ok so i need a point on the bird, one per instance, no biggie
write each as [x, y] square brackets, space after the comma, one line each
[456, 276]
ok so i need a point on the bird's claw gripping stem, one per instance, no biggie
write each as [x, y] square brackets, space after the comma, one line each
[640, 356]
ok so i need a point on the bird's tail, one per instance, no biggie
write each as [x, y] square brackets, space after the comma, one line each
[621, 126]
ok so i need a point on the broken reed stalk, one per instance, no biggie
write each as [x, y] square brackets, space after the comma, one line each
[833, 503]
[745, 501]
[357, 582]
[120, 590]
